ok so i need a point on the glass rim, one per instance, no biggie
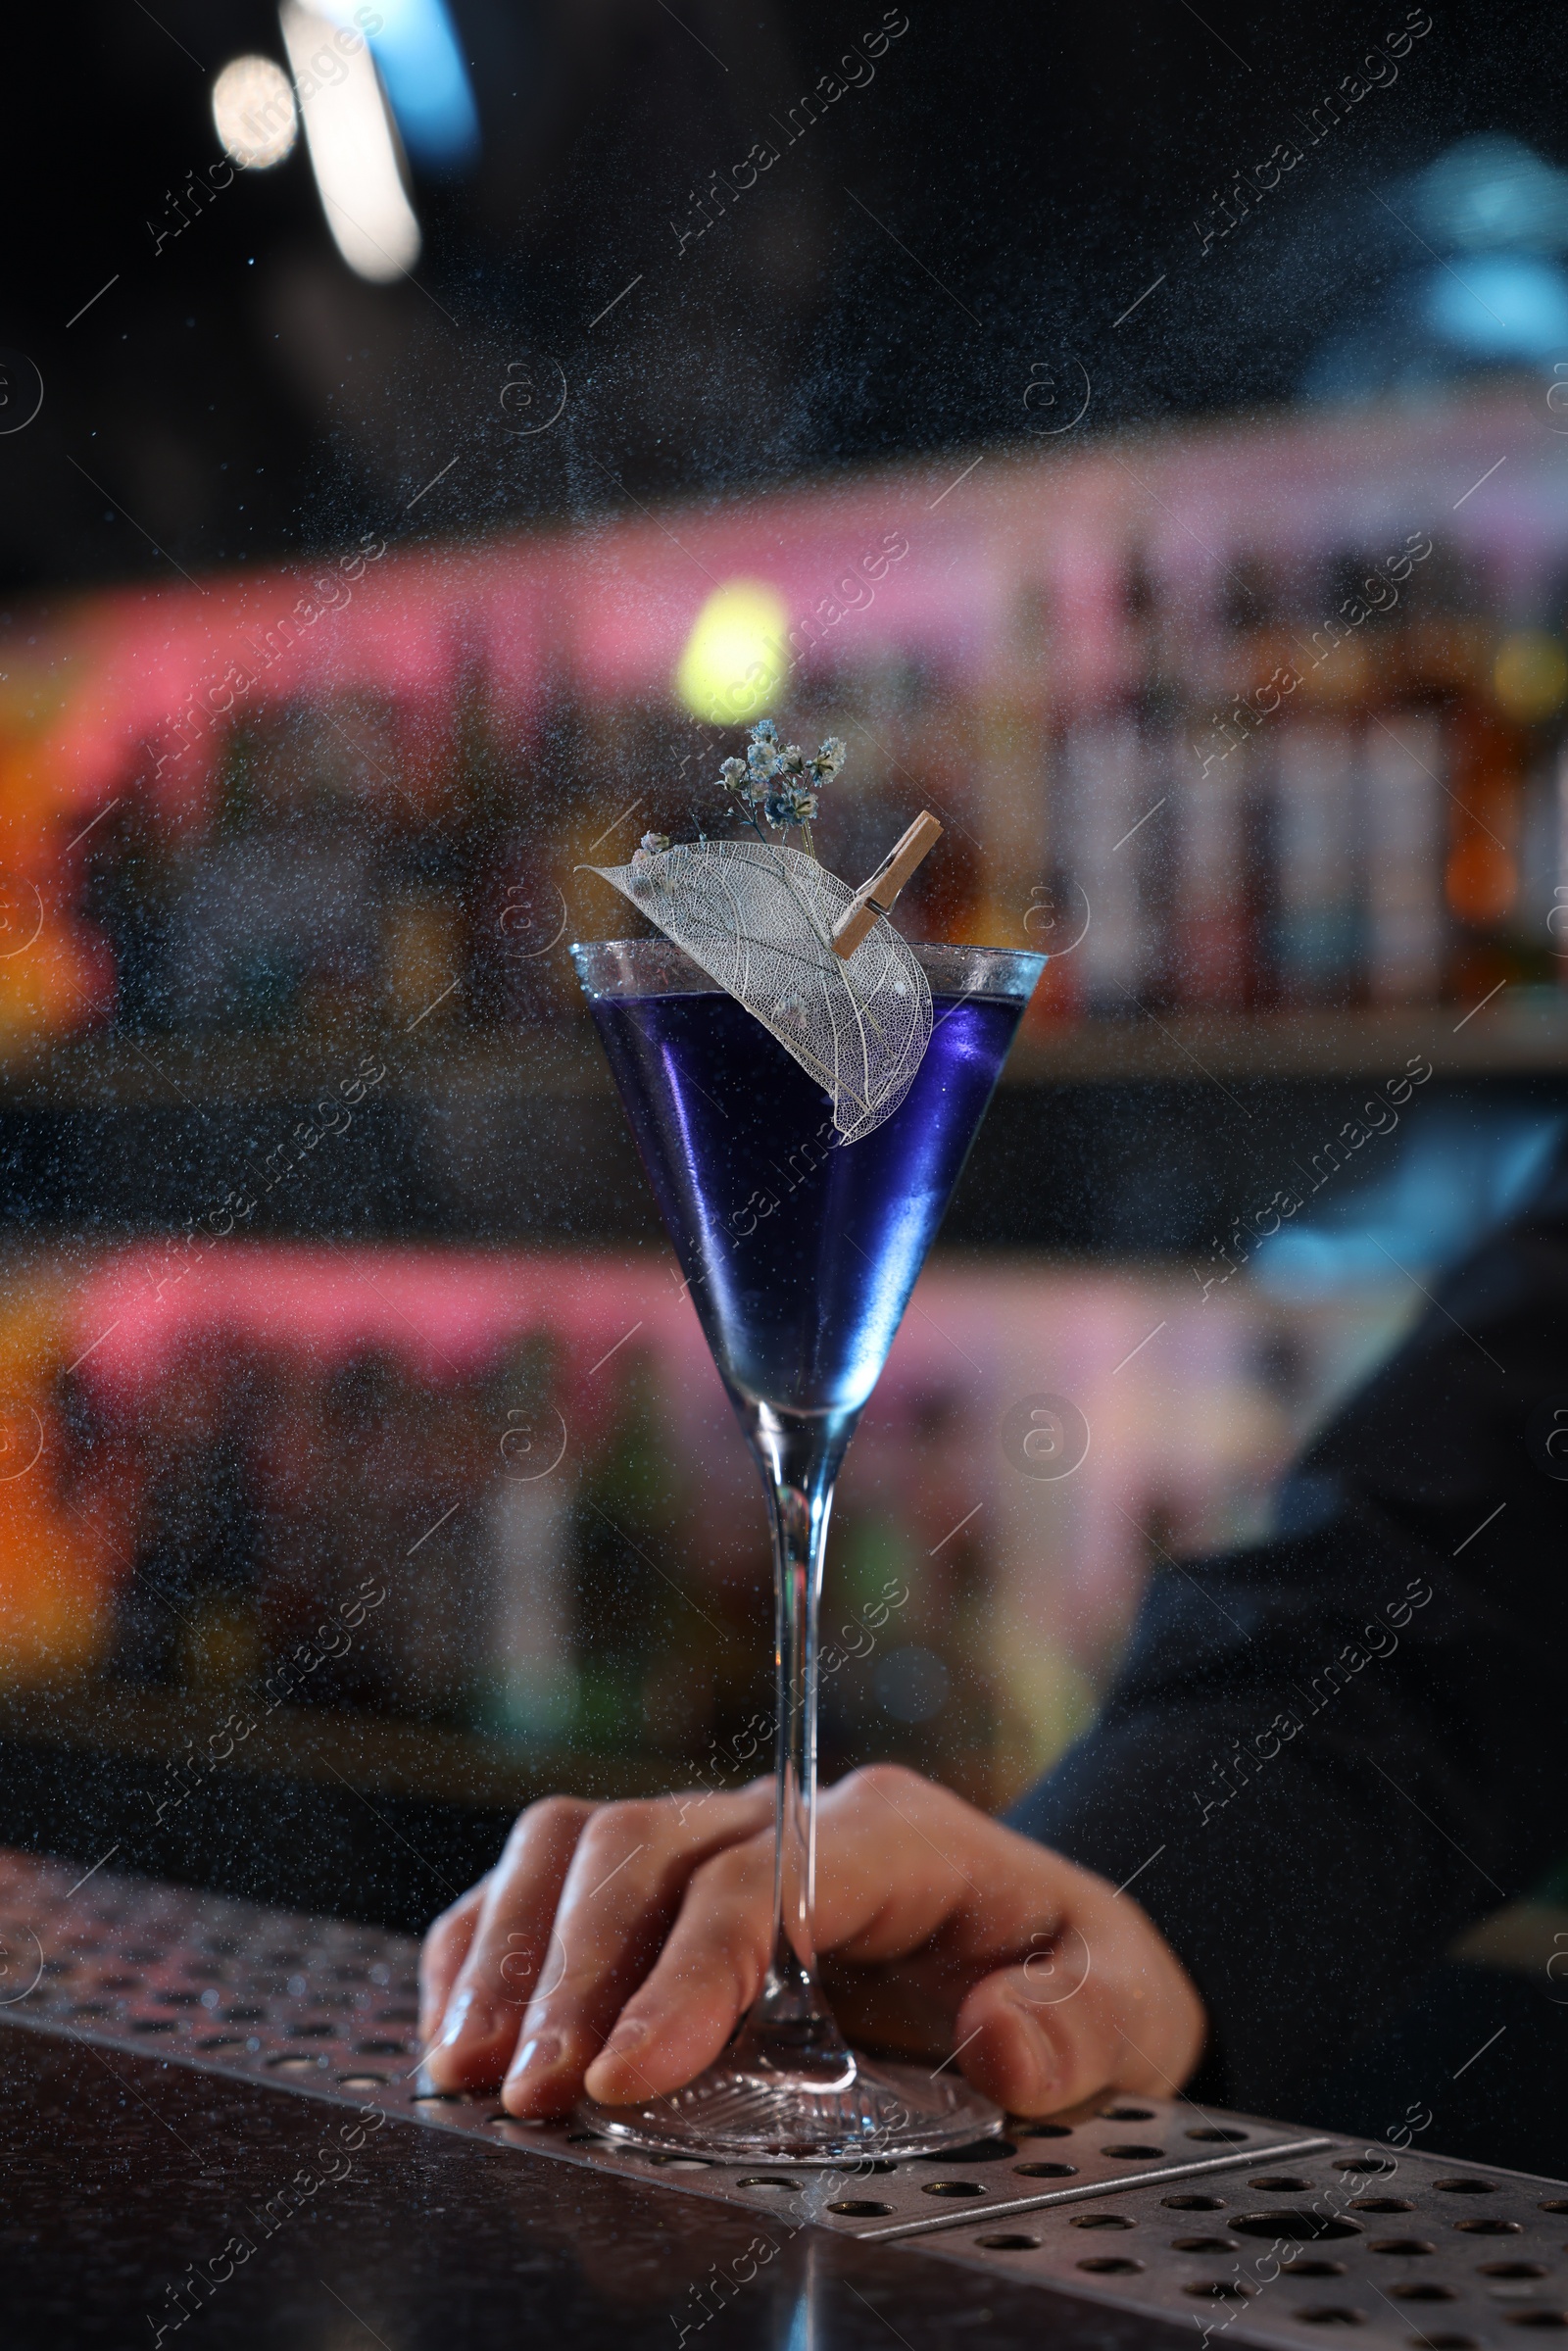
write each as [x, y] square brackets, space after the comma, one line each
[657, 967]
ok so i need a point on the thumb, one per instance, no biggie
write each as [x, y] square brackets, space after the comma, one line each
[1037, 2042]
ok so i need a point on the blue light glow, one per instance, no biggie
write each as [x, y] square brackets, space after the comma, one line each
[1457, 1178]
[424, 77]
[1502, 306]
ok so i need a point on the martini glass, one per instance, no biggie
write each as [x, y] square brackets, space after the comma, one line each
[801, 1251]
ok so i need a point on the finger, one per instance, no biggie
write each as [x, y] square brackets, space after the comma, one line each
[887, 1880]
[895, 1866]
[444, 1949]
[509, 1945]
[706, 1978]
[1106, 2007]
[626, 1881]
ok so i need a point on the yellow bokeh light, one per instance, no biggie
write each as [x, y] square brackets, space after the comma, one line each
[1530, 676]
[736, 655]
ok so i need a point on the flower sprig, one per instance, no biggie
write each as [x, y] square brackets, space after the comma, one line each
[780, 781]
[775, 783]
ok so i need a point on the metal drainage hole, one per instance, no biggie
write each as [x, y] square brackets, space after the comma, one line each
[1000, 2243]
[1536, 2317]
[1100, 2220]
[1513, 2269]
[1110, 2265]
[1444, 2342]
[362, 2048]
[1215, 2136]
[360, 2080]
[751, 2178]
[1127, 2114]
[1380, 2204]
[1365, 2163]
[1555, 2204]
[292, 2065]
[1467, 2185]
[951, 2188]
[1421, 2290]
[1491, 2227]
[1065, 2130]
[1314, 2269]
[1332, 2313]
[1281, 2183]
[1203, 2244]
[1405, 2246]
[1130, 2152]
[1221, 2289]
[865, 2208]
[1045, 2171]
[1299, 2225]
[429, 2097]
[980, 2150]
[1194, 2203]
[222, 2040]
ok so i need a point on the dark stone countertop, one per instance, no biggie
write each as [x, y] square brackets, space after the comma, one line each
[124, 2174]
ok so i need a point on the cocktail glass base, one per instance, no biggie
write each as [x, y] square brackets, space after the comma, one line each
[739, 2115]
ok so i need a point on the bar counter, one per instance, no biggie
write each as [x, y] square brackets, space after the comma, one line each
[217, 2121]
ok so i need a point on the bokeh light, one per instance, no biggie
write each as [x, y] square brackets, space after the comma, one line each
[734, 660]
[254, 111]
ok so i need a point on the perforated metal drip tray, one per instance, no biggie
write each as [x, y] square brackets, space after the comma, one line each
[1223, 2221]
[1422, 2252]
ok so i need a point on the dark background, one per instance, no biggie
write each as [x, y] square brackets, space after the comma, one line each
[236, 394]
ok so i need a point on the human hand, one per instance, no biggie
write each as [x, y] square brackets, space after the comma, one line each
[615, 1947]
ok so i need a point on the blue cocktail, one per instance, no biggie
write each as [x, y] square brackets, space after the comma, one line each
[801, 1250]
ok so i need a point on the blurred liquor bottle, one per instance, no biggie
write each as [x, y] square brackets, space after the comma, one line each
[1011, 807]
[1528, 681]
[1481, 878]
[1104, 799]
[188, 1615]
[1314, 930]
[1405, 762]
[530, 1682]
[1216, 914]
[639, 1637]
[422, 954]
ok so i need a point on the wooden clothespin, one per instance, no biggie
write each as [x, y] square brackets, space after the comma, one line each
[875, 895]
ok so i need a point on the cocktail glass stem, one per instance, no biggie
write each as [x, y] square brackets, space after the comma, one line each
[790, 2028]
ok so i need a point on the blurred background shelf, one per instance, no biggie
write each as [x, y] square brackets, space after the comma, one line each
[1521, 1032]
[314, 1801]
[1245, 696]
[1519, 1036]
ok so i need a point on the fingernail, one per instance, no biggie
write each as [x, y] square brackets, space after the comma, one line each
[538, 2055]
[469, 2016]
[630, 2033]
[1039, 2060]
